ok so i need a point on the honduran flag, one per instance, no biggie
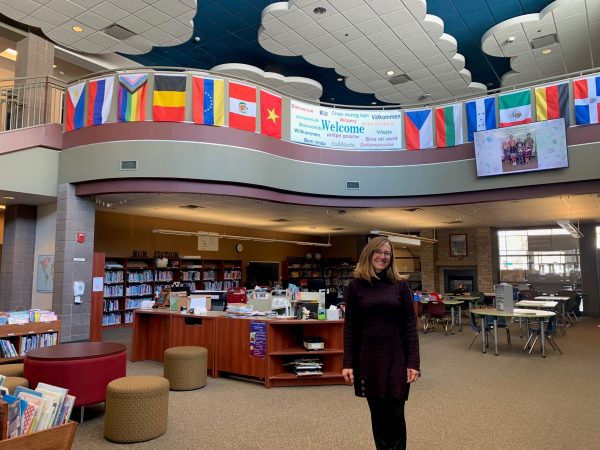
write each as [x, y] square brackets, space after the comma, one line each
[208, 98]
[448, 125]
[99, 100]
[481, 115]
[515, 108]
[270, 114]
[132, 97]
[418, 129]
[75, 114]
[551, 102]
[586, 92]
[242, 106]
[169, 98]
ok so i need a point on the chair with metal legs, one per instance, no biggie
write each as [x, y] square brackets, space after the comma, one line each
[549, 330]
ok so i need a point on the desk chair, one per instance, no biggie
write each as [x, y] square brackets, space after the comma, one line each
[436, 312]
[549, 330]
[474, 324]
[570, 306]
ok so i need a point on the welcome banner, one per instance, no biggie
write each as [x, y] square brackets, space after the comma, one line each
[346, 129]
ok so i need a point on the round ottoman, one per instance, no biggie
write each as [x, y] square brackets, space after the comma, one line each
[12, 370]
[185, 367]
[12, 382]
[136, 408]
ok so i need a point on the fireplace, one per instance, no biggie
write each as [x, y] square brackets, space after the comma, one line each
[454, 278]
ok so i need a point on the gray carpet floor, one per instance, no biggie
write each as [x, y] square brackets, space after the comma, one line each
[464, 400]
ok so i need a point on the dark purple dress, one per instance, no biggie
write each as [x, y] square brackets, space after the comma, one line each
[380, 337]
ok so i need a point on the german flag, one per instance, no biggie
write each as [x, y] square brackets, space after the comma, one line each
[169, 98]
[551, 102]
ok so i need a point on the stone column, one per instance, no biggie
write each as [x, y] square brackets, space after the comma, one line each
[73, 262]
[589, 257]
[35, 58]
[16, 272]
[485, 257]
[428, 267]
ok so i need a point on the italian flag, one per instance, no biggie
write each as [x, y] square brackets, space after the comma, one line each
[448, 125]
[515, 108]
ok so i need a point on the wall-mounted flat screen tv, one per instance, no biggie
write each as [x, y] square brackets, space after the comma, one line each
[521, 148]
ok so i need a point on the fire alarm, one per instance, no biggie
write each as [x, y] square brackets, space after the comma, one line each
[80, 237]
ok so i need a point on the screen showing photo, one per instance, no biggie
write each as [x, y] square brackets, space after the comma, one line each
[522, 148]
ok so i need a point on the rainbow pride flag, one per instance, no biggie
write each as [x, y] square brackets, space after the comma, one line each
[132, 97]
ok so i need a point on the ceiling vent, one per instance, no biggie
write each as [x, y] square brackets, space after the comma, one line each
[129, 165]
[352, 184]
[280, 220]
[118, 32]
[544, 41]
[399, 79]
[191, 206]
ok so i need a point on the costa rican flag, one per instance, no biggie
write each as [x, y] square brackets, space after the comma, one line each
[586, 92]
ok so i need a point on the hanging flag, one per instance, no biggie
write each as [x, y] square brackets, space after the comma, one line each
[169, 98]
[448, 125]
[551, 102]
[242, 106]
[270, 114]
[99, 100]
[418, 129]
[587, 98]
[208, 101]
[515, 108]
[481, 115]
[132, 97]
[75, 107]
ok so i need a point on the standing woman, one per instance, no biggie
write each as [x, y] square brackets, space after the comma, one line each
[381, 345]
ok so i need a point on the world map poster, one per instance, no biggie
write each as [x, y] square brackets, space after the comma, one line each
[45, 273]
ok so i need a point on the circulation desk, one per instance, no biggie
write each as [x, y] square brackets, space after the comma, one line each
[251, 347]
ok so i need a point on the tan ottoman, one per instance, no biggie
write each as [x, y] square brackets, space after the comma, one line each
[185, 367]
[136, 408]
[12, 382]
[11, 370]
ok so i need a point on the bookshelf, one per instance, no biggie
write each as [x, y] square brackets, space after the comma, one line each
[337, 273]
[285, 344]
[210, 274]
[15, 340]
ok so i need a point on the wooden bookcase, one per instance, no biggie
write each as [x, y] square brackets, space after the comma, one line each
[337, 273]
[210, 274]
[44, 333]
[285, 343]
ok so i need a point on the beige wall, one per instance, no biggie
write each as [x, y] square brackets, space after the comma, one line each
[118, 235]
[45, 238]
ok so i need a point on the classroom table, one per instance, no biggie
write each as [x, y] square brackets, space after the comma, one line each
[452, 303]
[542, 315]
[556, 298]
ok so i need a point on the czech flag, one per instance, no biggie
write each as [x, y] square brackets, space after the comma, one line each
[208, 101]
[75, 107]
[242, 106]
[418, 129]
[99, 100]
[586, 92]
[169, 98]
[132, 97]
[270, 114]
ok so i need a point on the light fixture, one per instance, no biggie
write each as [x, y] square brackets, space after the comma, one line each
[340, 78]
[572, 229]
[389, 73]
[8, 197]
[77, 29]
[319, 10]
[546, 51]
[401, 238]
[239, 238]
[2, 207]
[9, 53]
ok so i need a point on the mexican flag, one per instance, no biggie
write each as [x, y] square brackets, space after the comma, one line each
[448, 125]
[515, 108]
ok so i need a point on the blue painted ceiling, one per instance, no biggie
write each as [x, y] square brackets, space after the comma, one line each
[228, 31]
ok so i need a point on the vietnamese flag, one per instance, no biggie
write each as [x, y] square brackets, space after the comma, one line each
[270, 114]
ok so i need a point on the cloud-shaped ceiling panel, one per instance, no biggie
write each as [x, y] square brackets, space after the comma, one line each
[299, 87]
[363, 40]
[563, 38]
[127, 26]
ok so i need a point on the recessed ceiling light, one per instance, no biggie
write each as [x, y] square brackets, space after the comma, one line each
[9, 53]
[2, 207]
[319, 10]
[546, 51]
[332, 99]
[389, 73]
[77, 29]
[373, 103]
[8, 198]
[340, 78]
[54, 66]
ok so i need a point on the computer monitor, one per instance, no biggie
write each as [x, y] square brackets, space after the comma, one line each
[316, 284]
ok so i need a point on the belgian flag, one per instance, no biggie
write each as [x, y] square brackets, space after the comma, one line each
[169, 98]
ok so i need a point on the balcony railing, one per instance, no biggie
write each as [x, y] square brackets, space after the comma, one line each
[29, 102]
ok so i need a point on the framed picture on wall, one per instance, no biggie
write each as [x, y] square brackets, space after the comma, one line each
[45, 273]
[458, 245]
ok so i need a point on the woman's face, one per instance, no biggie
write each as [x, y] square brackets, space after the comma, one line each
[381, 257]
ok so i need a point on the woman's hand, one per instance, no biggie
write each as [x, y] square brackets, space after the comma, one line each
[412, 375]
[348, 375]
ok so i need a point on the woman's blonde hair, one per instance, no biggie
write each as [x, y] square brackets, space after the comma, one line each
[364, 268]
